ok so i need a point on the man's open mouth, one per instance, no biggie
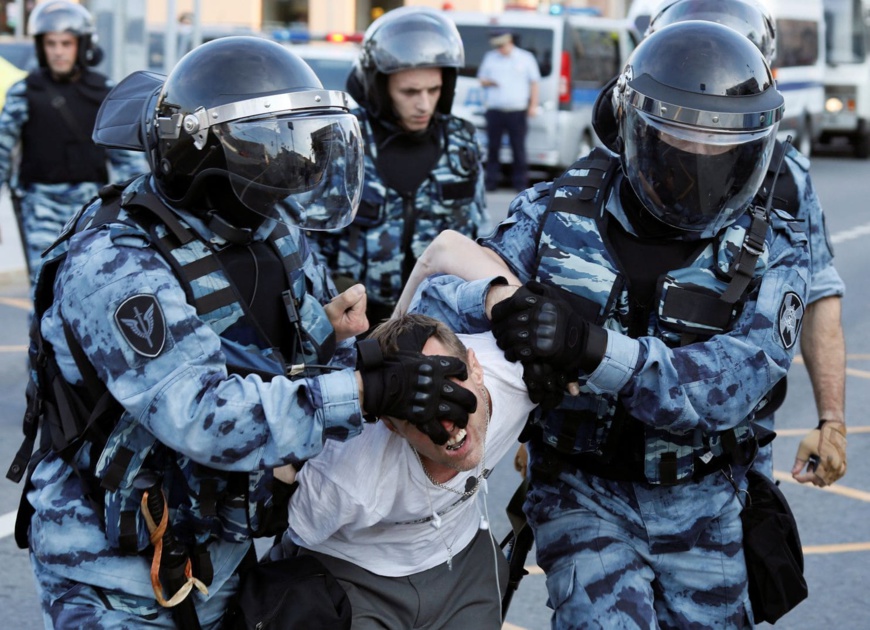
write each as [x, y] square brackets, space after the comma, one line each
[457, 440]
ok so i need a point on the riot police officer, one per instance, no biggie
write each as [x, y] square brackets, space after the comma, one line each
[51, 114]
[423, 166]
[651, 280]
[822, 340]
[188, 344]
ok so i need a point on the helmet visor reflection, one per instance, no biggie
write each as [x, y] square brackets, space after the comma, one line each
[303, 170]
[692, 179]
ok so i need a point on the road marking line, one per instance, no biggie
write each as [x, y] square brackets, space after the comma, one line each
[851, 493]
[841, 548]
[13, 348]
[22, 303]
[854, 372]
[851, 234]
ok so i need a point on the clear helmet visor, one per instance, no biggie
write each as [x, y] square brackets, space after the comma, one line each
[306, 171]
[693, 179]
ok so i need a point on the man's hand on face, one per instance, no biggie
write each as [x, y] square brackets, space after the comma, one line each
[419, 388]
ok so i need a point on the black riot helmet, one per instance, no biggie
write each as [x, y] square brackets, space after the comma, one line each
[60, 16]
[249, 112]
[748, 17]
[408, 38]
[697, 113]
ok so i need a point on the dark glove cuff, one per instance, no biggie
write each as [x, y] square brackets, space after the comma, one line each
[596, 346]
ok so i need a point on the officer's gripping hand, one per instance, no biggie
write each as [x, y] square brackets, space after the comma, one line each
[545, 384]
[829, 445]
[418, 388]
[537, 324]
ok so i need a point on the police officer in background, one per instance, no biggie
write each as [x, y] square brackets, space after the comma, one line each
[51, 114]
[423, 166]
[822, 340]
[676, 305]
[195, 341]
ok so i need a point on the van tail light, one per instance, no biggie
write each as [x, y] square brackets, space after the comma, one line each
[565, 78]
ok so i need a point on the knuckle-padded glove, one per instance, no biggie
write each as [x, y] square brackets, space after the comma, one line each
[545, 385]
[536, 323]
[417, 388]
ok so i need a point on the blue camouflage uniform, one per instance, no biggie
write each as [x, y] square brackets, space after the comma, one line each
[181, 407]
[824, 279]
[636, 550]
[390, 232]
[47, 204]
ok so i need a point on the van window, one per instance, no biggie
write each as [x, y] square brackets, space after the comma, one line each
[797, 43]
[597, 57]
[538, 41]
[846, 34]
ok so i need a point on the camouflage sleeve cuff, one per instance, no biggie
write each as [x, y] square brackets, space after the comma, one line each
[618, 365]
[826, 283]
[340, 405]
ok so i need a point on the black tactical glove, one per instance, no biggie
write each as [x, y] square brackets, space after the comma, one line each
[417, 388]
[546, 386]
[537, 324]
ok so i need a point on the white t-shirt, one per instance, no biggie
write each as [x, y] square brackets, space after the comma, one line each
[369, 502]
[513, 74]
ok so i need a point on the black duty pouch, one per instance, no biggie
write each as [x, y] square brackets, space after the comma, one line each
[295, 593]
[772, 546]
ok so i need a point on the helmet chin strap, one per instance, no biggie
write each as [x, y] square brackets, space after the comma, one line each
[224, 214]
[227, 231]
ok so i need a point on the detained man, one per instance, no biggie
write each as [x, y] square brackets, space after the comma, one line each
[400, 517]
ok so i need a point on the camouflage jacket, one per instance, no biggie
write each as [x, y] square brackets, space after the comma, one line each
[390, 232]
[685, 396]
[180, 379]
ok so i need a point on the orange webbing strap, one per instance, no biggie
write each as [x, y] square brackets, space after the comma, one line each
[157, 532]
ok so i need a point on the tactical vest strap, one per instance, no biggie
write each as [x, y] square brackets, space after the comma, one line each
[593, 184]
[117, 469]
[694, 306]
[458, 190]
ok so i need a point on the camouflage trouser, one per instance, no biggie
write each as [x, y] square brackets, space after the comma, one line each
[603, 572]
[45, 209]
[71, 605]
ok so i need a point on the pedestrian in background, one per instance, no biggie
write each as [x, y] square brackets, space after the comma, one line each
[510, 78]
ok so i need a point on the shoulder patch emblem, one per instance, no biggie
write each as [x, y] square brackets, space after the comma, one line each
[142, 324]
[791, 314]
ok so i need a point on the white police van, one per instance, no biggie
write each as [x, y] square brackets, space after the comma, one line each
[576, 55]
[847, 81]
[799, 68]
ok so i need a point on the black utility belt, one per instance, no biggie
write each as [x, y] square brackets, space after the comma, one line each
[553, 463]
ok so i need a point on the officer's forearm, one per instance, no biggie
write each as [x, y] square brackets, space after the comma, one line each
[823, 347]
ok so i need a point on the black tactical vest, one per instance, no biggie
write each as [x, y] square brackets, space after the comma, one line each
[56, 139]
